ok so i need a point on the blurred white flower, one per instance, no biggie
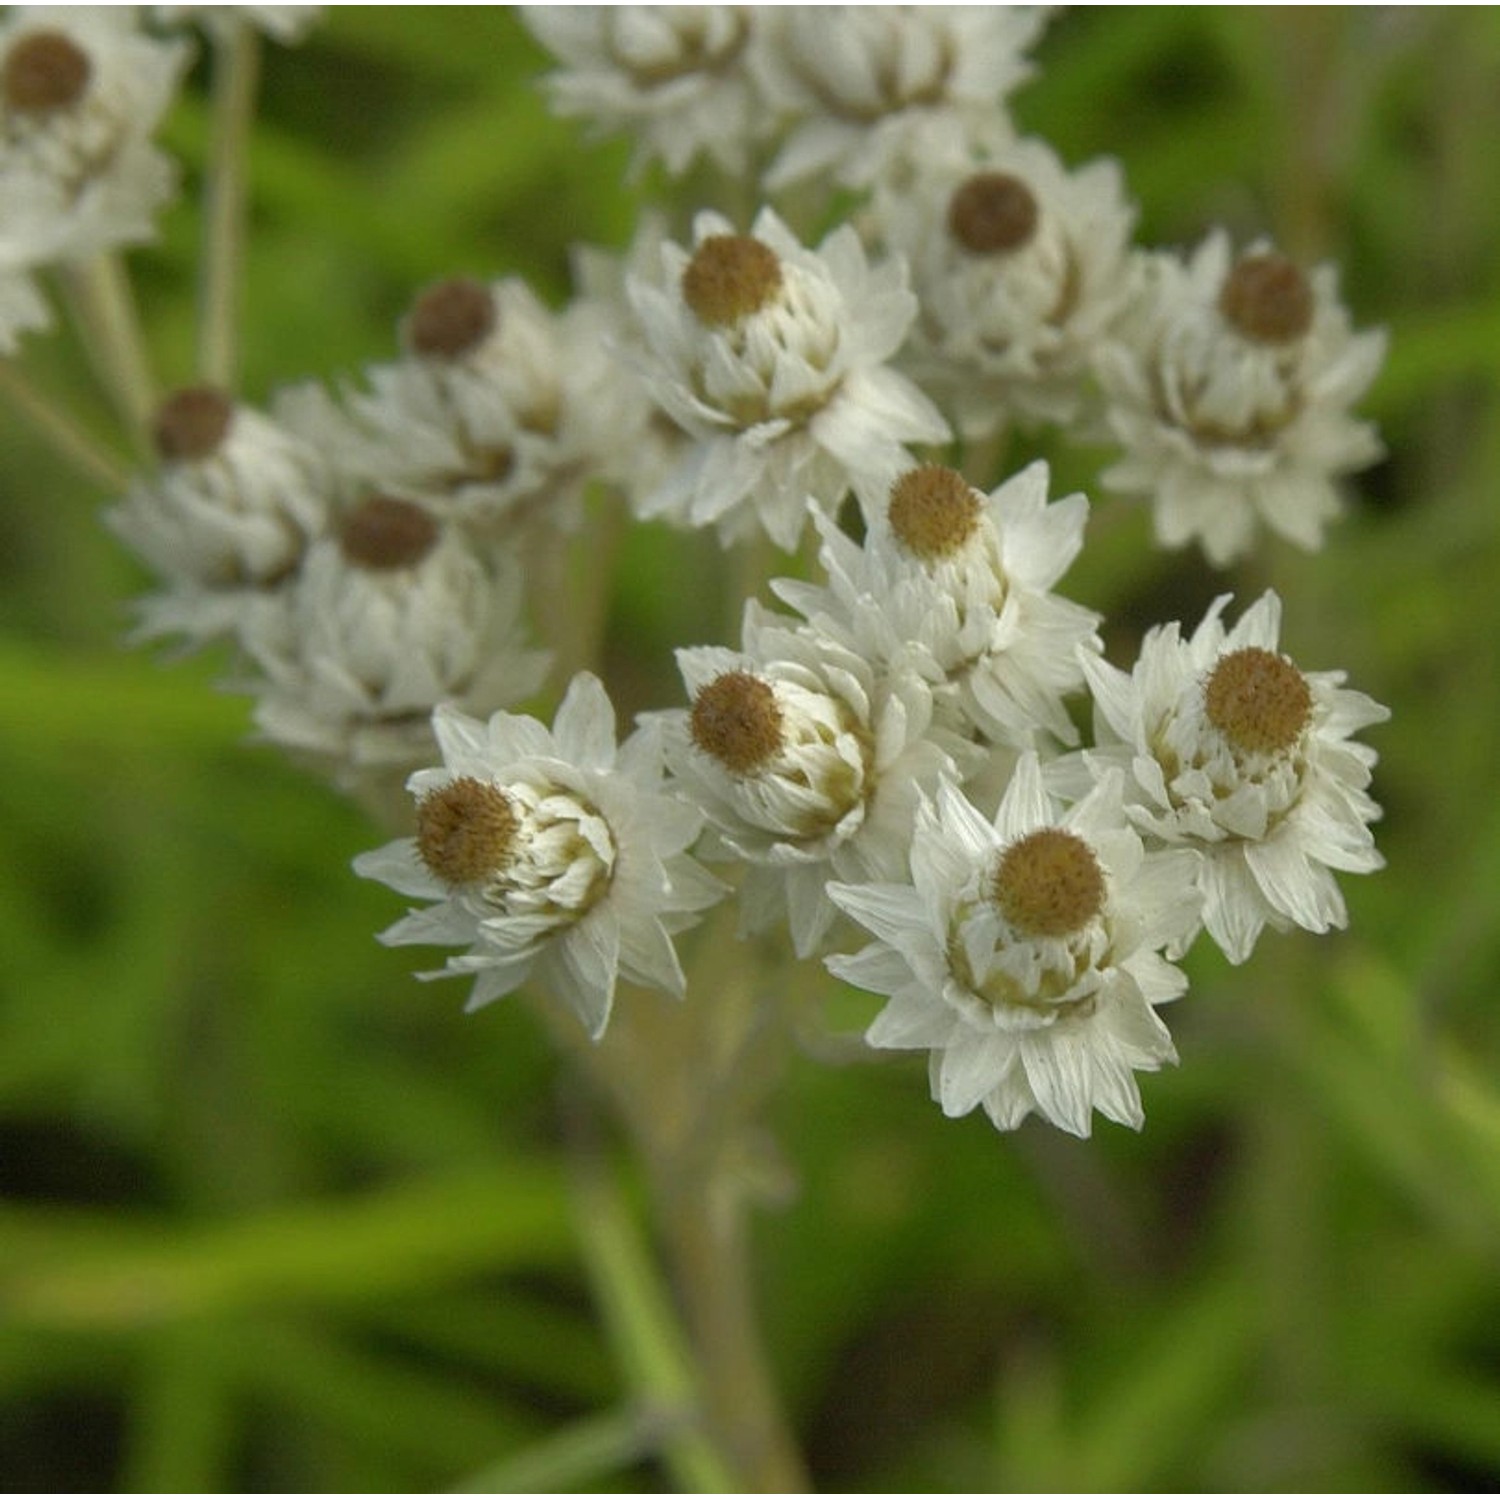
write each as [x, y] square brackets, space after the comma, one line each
[22, 309]
[957, 585]
[774, 358]
[548, 854]
[227, 514]
[81, 90]
[1025, 953]
[498, 414]
[879, 90]
[1020, 268]
[1229, 387]
[391, 614]
[1228, 748]
[673, 76]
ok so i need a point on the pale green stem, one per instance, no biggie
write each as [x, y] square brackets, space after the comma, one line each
[103, 306]
[577, 1455]
[236, 75]
[60, 432]
[638, 1316]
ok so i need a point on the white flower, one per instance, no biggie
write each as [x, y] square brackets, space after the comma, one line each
[957, 585]
[548, 853]
[389, 616]
[807, 762]
[1229, 388]
[880, 89]
[673, 76]
[498, 414]
[1020, 268]
[1230, 749]
[230, 511]
[81, 90]
[773, 357]
[1026, 954]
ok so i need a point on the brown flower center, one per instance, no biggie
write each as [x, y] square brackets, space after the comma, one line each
[1257, 700]
[1048, 884]
[1268, 299]
[737, 720]
[730, 277]
[382, 534]
[450, 319]
[992, 213]
[43, 72]
[933, 511]
[191, 424]
[466, 831]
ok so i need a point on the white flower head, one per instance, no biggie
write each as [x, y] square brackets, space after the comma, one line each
[498, 414]
[957, 585]
[1229, 387]
[773, 357]
[1026, 953]
[81, 90]
[548, 854]
[808, 764]
[878, 90]
[228, 514]
[392, 613]
[673, 76]
[1020, 268]
[1229, 748]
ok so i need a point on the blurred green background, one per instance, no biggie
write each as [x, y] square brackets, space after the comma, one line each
[275, 1216]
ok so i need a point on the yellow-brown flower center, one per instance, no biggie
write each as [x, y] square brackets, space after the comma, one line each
[737, 720]
[43, 72]
[191, 424]
[992, 213]
[382, 533]
[1048, 884]
[730, 277]
[1257, 700]
[450, 319]
[933, 511]
[1268, 299]
[466, 831]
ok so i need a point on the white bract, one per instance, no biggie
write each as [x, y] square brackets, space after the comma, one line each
[957, 585]
[1020, 267]
[672, 76]
[81, 90]
[1229, 749]
[773, 357]
[498, 414]
[879, 90]
[1229, 387]
[389, 616]
[808, 764]
[1025, 954]
[548, 854]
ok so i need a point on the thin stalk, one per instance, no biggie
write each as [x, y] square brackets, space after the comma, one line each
[103, 307]
[236, 76]
[61, 432]
[708, 1244]
[638, 1316]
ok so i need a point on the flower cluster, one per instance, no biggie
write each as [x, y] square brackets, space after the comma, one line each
[901, 756]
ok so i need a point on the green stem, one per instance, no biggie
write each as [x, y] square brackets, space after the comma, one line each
[103, 306]
[61, 432]
[638, 1315]
[236, 76]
